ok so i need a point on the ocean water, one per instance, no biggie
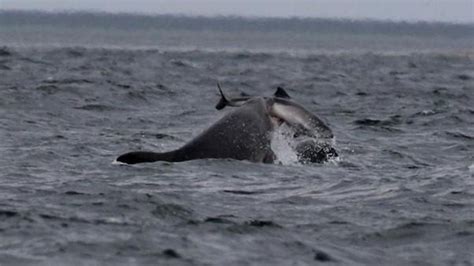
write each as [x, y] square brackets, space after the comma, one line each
[77, 90]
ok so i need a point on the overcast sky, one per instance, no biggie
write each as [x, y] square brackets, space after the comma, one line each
[406, 10]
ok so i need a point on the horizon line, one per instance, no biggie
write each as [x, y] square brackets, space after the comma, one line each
[231, 16]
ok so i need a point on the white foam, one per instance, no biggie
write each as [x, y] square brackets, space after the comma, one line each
[115, 162]
[335, 160]
[281, 145]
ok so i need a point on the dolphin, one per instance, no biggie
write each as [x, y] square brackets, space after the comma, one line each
[311, 136]
[281, 106]
[245, 133]
[242, 134]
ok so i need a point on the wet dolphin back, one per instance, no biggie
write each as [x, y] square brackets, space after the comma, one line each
[242, 134]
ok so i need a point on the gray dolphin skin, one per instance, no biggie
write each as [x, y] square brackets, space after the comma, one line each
[245, 133]
[242, 134]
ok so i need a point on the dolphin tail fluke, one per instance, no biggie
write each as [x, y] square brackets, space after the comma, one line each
[145, 157]
[223, 102]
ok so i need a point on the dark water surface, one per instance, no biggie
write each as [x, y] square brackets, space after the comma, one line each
[401, 194]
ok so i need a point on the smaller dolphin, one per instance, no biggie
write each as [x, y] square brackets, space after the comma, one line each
[281, 106]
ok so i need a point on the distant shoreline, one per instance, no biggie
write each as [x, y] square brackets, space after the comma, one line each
[127, 30]
[6, 15]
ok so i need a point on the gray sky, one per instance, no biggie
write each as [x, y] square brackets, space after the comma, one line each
[407, 10]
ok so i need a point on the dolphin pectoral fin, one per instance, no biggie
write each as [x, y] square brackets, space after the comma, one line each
[281, 93]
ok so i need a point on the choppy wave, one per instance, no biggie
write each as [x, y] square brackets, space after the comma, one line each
[402, 189]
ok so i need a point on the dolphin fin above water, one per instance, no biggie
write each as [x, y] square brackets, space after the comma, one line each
[223, 102]
[281, 93]
[235, 102]
[238, 101]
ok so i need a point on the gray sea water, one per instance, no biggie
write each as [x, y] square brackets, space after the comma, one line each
[77, 90]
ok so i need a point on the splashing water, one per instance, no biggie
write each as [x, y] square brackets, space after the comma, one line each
[282, 144]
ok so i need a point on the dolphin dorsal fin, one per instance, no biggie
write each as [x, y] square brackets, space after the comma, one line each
[281, 93]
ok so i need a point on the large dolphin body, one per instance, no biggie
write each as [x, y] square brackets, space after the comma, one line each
[245, 133]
